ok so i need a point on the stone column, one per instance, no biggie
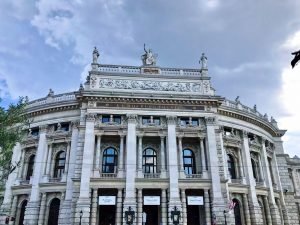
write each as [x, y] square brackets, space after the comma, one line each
[162, 156]
[261, 174]
[130, 200]
[121, 158]
[83, 202]
[21, 168]
[174, 199]
[164, 206]
[49, 158]
[241, 167]
[207, 207]
[255, 212]
[203, 159]
[184, 210]
[267, 208]
[218, 203]
[94, 207]
[98, 154]
[32, 209]
[119, 207]
[42, 210]
[140, 155]
[282, 200]
[13, 208]
[65, 174]
[66, 206]
[180, 154]
[269, 184]
[140, 207]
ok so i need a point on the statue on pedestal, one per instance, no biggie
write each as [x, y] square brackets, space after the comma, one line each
[149, 59]
[95, 55]
[203, 61]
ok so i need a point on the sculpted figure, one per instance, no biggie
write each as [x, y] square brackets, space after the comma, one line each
[203, 61]
[148, 58]
[95, 55]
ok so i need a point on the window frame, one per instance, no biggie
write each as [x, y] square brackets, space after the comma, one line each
[189, 168]
[109, 167]
[59, 169]
[149, 167]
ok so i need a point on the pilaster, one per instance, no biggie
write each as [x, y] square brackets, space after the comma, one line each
[255, 212]
[218, 203]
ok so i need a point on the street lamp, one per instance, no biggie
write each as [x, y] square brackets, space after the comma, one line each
[129, 216]
[224, 212]
[80, 216]
[175, 216]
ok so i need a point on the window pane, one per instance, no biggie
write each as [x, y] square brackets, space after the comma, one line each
[105, 119]
[117, 119]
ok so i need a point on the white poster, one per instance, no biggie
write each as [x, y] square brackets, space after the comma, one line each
[195, 200]
[107, 200]
[151, 200]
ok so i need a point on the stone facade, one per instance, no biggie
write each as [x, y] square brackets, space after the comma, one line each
[131, 135]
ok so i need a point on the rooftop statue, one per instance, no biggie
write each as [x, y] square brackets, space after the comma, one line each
[149, 59]
[203, 61]
[95, 55]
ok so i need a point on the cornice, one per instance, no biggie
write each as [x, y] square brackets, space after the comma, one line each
[253, 120]
[48, 109]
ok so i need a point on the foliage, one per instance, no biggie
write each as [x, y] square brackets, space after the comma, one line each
[12, 121]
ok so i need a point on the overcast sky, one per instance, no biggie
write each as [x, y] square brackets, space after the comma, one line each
[48, 44]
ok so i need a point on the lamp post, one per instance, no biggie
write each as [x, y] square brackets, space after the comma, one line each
[224, 212]
[175, 216]
[129, 216]
[80, 216]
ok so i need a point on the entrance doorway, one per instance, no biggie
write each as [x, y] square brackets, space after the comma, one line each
[152, 214]
[195, 207]
[151, 207]
[107, 215]
[107, 206]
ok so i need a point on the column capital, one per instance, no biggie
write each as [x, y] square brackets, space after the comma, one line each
[131, 118]
[171, 120]
[75, 124]
[162, 137]
[245, 133]
[210, 120]
[43, 128]
[180, 136]
[90, 117]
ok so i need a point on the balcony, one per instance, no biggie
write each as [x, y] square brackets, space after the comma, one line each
[108, 175]
[151, 175]
[194, 176]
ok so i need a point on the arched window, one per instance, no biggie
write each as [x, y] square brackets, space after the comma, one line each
[189, 161]
[254, 169]
[22, 212]
[231, 166]
[110, 160]
[237, 212]
[30, 167]
[149, 161]
[54, 212]
[60, 161]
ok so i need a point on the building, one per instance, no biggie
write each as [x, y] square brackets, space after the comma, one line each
[146, 140]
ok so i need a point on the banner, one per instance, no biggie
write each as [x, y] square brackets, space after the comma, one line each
[195, 200]
[151, 200]
[107, 200]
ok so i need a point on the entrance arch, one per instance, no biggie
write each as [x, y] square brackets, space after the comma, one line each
[54, 212]
[237, 212]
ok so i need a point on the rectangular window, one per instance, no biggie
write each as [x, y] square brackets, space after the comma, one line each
[184, 121]
[34, 131]
[146, 120]
[156, 120]
[105, 118]
[195, 122]
[117, 119]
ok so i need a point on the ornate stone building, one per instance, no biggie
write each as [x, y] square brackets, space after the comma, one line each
[152, 139]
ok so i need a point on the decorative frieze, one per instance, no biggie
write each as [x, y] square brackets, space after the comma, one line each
[152, 85]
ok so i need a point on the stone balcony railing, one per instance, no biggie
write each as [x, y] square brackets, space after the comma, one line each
[52, 99]
[54, 179]
[138, 70]
[151, 175]
[108, 175]
[194, 176]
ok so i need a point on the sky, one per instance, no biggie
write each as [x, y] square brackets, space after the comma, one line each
[48, 44]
